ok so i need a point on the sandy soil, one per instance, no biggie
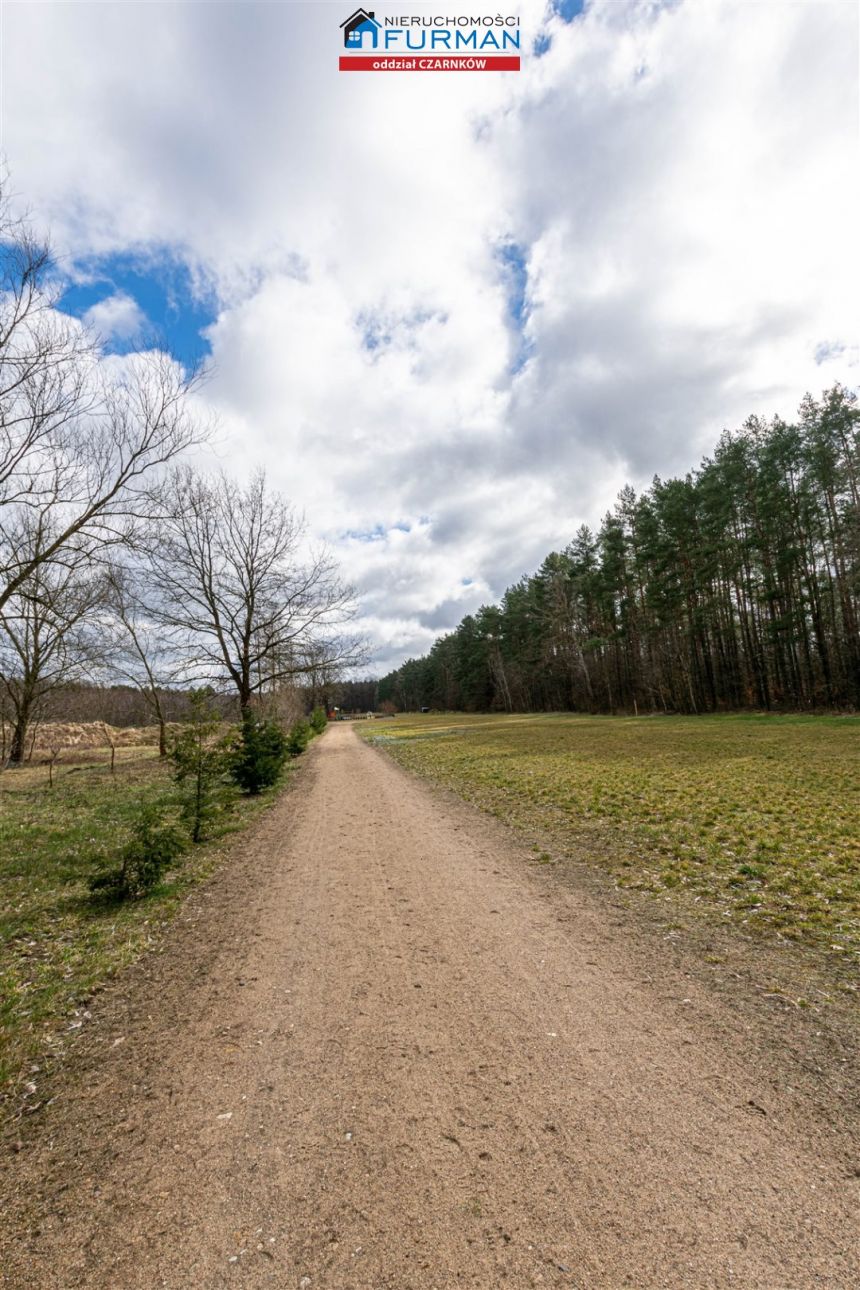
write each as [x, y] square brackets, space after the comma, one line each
[379, 1050]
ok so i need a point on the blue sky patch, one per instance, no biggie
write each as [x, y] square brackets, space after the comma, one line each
[512, 257]
[380, 329]
[174, 312]
[567, 10]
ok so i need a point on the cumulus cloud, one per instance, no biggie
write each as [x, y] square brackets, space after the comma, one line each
[457, 313]
[685, 194]
[118, 317]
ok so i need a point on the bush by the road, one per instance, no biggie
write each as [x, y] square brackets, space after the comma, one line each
[199, 764]
[301, 733]
[149, 852]
[259, 755]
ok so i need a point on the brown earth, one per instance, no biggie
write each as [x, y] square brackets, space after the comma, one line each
[91, 734]
[379, 1050]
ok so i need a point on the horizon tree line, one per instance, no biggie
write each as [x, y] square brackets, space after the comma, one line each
[735, 587]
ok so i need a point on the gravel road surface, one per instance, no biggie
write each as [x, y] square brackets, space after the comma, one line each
[381, 1050]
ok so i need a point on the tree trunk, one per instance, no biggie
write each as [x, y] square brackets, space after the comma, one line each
[18, 747]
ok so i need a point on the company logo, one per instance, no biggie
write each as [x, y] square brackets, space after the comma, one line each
[430, 43]
[359, 26]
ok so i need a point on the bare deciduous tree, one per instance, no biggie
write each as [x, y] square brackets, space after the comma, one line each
[141, 651]
[44, 360]
[47, 638]
[232, 580]
[81, 439]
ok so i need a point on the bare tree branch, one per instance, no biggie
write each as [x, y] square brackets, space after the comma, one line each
[81, 439]
[140, 651]
[48, 634]
[232, 580]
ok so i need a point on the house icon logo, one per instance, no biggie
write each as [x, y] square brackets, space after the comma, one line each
[358, 25]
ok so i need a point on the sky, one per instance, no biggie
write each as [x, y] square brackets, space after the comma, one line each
[453, 314]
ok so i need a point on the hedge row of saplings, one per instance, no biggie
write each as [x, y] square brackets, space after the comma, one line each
[207, 772]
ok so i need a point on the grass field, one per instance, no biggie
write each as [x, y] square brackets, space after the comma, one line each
[754, 818]
[56, 946]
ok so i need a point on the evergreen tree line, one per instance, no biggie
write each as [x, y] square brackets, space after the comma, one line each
[735, 587]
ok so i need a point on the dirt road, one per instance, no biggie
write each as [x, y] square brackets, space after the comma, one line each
[381, 1051]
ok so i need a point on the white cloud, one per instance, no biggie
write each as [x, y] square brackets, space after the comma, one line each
[681, 180]
[118, 317]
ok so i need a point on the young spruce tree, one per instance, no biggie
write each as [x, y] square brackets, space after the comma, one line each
[199, 763]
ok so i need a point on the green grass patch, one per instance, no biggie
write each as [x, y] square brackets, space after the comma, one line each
[57, 945]
[755, 818]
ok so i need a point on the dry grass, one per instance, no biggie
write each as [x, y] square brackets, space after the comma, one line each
[72, 735]
[753, 820]
[56, 945]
